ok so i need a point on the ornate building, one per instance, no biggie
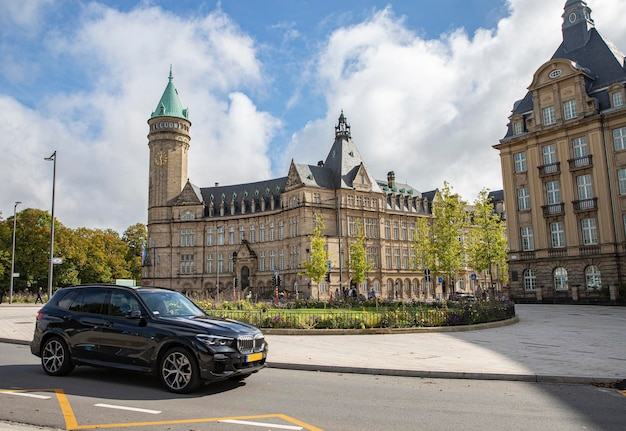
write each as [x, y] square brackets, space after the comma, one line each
[564, 170]
[227, 241]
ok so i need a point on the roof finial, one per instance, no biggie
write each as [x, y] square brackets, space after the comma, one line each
[171, 77]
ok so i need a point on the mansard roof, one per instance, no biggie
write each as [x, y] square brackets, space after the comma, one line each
[260, 192]
[598, 56]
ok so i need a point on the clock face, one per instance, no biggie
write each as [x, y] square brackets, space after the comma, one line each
[160, 158]
[572, 17]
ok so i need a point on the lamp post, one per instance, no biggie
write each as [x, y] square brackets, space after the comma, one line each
[52, 158]
[13, 252]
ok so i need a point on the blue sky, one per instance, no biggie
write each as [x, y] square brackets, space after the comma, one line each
[427, 87]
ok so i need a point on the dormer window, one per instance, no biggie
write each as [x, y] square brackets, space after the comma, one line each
[569, 109]
[549, 116]
[617, 99]
[187, 215]
[517, 128]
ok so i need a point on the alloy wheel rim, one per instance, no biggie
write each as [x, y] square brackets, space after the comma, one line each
[176, 370]
[53, 356]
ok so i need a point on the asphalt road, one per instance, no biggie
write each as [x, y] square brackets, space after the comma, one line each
[298, 400]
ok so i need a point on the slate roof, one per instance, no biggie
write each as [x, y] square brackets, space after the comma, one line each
[604, 62]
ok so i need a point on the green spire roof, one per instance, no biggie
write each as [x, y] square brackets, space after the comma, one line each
[169, 105]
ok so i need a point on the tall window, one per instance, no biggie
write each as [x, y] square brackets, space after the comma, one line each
[281, 230]
[549, 154]
[553, 193]
[242, 233]
[209, 264]
[549, 116]
[272, 260]
[405, 258]
[281, 259]
[231, 235]
[585, 191]
[396, 257]
[517, 128]
[252, 235]
[262, 232]
[388, 257]
[405, 232]
[528, 242]
[220, 263]
[580, 148]
[396, 230]
[592, 277]
[569, 109]
[520, 162]
[209, 237]
[589, 231]
[387, 230]
[187, 237]
[619, 139]
[186, 264]
[220, 236]
[621, 178]
[262, 260]
[523, 199]
[557, 234]
[560, 278]
[530, 280]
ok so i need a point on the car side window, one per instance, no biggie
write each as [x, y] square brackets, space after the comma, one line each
[122, 303]
[90, 301]
[66, 298]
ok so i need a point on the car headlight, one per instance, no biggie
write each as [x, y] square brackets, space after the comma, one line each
[214, 340]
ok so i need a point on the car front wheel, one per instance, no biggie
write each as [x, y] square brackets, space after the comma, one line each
[179, 371]
[55, 357]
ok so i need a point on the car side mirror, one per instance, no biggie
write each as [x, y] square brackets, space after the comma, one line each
[134, 314]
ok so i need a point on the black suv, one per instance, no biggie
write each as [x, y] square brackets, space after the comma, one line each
[143, 329]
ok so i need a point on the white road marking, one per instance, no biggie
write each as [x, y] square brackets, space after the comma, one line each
[25, 394]
[132, 409]
[261, 424]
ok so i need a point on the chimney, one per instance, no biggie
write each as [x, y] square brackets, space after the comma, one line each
[391, 179]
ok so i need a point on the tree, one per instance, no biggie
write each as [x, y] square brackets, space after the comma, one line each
[317, 264]
[358, 256]
[135, 237]
[487, 242]
[438, 242]
[425, 257]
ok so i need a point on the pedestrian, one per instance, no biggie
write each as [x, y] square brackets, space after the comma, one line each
[372, 294]
[39, 298]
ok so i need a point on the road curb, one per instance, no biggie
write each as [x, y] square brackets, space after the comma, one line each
[457, 375]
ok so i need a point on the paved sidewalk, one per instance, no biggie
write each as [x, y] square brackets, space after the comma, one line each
[549, 343]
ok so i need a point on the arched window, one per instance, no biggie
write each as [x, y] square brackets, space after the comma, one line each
[187, 215]
[530, 280]
[592, 277]
[560, 278]
[376, 286]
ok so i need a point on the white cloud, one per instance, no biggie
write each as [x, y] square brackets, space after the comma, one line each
[431, 110]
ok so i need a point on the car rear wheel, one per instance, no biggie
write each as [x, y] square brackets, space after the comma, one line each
[55, 357]
[179, 371]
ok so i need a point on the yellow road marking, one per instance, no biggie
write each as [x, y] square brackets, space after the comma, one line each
[72, 424]
[623, 392]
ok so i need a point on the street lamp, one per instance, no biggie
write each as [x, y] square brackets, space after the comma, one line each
[52, 158]
[13, 252]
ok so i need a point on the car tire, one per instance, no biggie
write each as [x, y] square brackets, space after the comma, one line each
[179, 371]
[55, 357]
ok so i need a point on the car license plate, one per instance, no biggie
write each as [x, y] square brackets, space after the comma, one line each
[254, 357]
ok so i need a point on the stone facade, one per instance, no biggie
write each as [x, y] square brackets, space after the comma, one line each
[564, 171]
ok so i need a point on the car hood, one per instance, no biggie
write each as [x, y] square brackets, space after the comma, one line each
[215, 325]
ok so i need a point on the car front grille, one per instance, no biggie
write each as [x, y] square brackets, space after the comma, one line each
[251, 344]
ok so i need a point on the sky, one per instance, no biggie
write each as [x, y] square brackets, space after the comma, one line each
[427, 88]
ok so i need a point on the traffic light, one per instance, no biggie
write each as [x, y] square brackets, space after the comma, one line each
[273, 280]
[236, 281]
[278, 281]
[328, 277]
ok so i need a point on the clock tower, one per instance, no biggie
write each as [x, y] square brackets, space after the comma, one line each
[577, 24]
[168, 140]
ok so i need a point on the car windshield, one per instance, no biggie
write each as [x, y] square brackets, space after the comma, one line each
[170, 304]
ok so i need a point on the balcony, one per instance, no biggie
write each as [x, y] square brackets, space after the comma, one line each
[580, 163]
[553, 210]
[588, 250]
[527, 255]
[551, 169]
[557, 252]
[583, 205]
